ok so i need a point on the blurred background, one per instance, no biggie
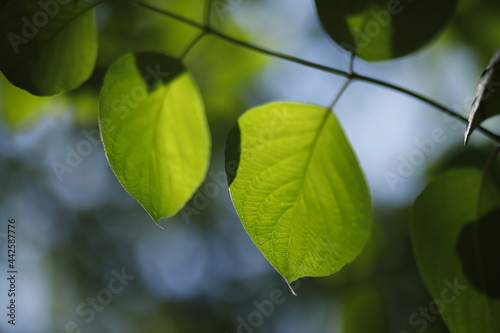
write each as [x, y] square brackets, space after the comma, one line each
[91, 260]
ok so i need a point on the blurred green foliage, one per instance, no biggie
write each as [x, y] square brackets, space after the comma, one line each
[86, 226]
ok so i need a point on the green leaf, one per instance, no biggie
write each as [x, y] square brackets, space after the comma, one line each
[298, 188]
[384, 29]
[154, 131]
[487, 101]
[47, 47]
[455, 233]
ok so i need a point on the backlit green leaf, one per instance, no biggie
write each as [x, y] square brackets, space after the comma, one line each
[154, 131]
[298, 188]
[455, 231]
[384, 29]
[47, 47]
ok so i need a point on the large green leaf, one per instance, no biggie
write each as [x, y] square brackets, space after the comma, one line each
[384, 29]
[47, 47]
[455, 233]
[154, 131]
[298, 188]
[487, 101]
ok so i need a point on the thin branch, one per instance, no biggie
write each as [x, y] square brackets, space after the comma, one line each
[424, 99]
[346, 83]
[278, 54]
[351, 63]
[340, 93]
[192, 44]
[168, 13]
[349, 75]
[208, 13]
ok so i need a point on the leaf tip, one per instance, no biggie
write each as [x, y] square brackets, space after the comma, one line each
[466, 137]
[291, 289]
[468, 131]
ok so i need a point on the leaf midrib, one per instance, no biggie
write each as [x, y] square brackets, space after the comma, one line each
[302, 180]
[154, 143]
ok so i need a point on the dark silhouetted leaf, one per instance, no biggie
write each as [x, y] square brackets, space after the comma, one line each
[384, 29]
[478, 247]
[487, 101]
[454, 230]
[47, 47]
